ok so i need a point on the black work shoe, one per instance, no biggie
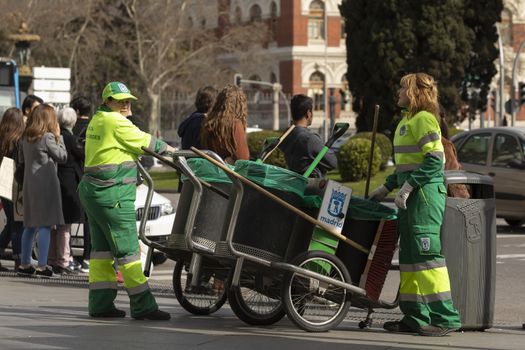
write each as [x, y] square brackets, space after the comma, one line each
[156, 315]
[110, 313]
[46, 272]
[435, 331]
[28, 271]
[397, 327]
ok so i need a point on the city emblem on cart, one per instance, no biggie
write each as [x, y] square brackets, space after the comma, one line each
[335, 205]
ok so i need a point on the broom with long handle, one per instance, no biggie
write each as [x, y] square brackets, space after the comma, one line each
[371, 155]
[272, 145]
[281, 202]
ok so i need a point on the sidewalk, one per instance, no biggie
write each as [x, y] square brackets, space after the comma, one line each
[40, 314]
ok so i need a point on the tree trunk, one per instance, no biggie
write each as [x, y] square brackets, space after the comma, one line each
[154, 117]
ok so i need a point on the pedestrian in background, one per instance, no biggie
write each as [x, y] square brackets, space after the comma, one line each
[424, 291]
[224, 129]
[11, 129]
[42, 149]
[69, 174]
[302, 145]
[84, 108]
[30, 102]
[190, 129]
[107, 191]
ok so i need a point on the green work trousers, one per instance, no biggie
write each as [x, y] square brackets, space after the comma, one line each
[425, 297]
[114, 235]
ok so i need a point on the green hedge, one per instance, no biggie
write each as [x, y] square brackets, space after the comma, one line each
[255, 144]
[384, 143]
[352, 159]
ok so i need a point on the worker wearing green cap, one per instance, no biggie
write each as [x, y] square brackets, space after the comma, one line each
[107, 192]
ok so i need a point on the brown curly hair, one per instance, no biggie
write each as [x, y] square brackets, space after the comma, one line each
[422, 93]
[218, 127]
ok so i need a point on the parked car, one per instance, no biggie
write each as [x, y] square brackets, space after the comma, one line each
[499, 153]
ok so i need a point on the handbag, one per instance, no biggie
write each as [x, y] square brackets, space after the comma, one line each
[7, 171]
[19, 173]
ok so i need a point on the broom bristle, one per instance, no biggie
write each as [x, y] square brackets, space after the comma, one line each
[382, 260]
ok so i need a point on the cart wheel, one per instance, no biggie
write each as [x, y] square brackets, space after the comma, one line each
[257, 298]
[313, 305]
[202, 300]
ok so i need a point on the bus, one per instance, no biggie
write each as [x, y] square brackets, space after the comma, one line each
[9, 85]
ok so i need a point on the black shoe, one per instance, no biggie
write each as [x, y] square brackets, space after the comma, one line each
[59, 270]
[28, 271]
[45, 273]
[397, 327]
[435, 331]
[111, 313]
[156, 315]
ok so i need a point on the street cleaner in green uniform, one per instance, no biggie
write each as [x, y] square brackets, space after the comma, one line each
[424, 291]
[107, 192]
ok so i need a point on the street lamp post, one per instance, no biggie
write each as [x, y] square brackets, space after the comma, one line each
[513, 85]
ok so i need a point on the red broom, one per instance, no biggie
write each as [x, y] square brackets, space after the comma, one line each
[379, 259]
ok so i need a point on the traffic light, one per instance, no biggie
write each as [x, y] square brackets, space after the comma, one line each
[237, 78]
[521, 91]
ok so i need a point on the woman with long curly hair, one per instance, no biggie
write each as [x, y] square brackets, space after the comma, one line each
[11, 130]
[224, 129]
[424, 291]
[42, 149]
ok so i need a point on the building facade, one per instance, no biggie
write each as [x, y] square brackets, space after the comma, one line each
[305, 51]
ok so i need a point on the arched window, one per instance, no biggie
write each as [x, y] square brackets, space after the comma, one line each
[238, 15]
[273, 77]
[190, 22]
[255, 13]
[506, 27]
[273, 20]
[316, 20]
[316, 90]
[346, 96]
[203, 22]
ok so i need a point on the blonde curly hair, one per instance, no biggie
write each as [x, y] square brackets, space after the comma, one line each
[218, 128]
[422, 93]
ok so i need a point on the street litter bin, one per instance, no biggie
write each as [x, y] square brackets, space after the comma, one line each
[263, 227]
[211, 214]
[468, 238]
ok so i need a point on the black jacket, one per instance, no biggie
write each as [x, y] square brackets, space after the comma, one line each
[300, 149]
[190, 130]
[69, 175]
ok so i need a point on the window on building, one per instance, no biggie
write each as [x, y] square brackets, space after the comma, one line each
[506, 27]
[343, 28]
[316, 20]
[346, 96]
[238, 15]
[255, 13]
[190, 22]
[273, 77]
[316, 90]
[203, 22]
[273, 20]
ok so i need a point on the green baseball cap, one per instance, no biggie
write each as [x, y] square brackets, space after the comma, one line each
[117, 91]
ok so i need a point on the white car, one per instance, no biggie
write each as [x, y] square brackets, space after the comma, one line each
[158, 226]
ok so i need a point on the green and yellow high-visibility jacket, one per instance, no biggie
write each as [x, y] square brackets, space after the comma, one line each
[113, 145]
[418, 151]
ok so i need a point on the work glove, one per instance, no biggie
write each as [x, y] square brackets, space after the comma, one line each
[168, 153]
[379, 193]
[402, 195]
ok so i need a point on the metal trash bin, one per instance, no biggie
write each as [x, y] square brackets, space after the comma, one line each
[263, 227]
[211, 214]
[468, 238]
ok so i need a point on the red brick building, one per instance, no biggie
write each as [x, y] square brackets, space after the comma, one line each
[306, 52]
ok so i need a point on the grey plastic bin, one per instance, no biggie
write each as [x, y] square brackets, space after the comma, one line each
[468, 236]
